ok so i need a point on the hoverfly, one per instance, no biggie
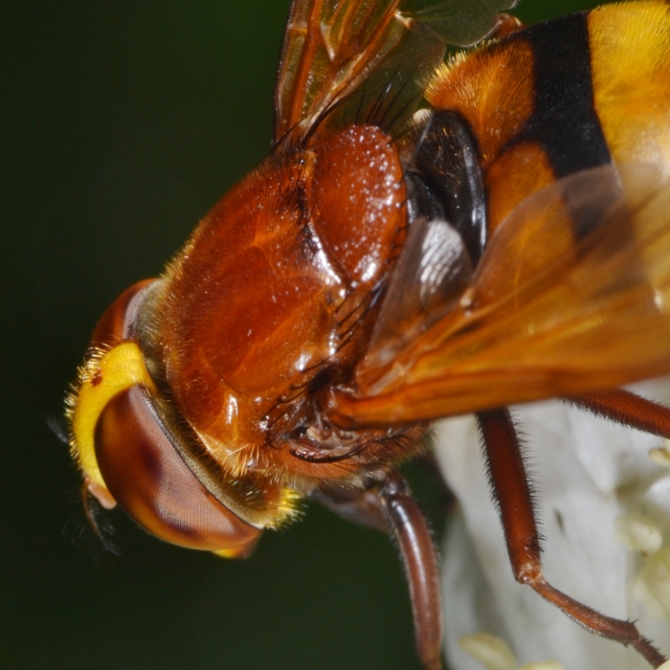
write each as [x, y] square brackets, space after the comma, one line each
[424, 240]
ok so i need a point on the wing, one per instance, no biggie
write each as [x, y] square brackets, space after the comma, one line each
[463, 23]
[551, 311]
[361, 52]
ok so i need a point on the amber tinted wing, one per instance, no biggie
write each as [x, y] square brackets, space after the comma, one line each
[336, 49]
[571, 296]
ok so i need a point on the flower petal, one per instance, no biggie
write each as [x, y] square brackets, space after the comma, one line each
[587, 471]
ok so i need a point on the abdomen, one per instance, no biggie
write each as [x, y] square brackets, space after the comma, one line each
[563, 96]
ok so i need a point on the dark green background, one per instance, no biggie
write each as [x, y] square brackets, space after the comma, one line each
[122, 123]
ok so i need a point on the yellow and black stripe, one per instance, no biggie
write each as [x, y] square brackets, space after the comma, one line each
[563, 122]
[553, 99]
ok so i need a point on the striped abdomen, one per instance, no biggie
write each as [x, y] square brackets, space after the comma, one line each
[559, 97]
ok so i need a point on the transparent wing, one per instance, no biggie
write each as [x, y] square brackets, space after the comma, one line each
[367, 56]
[428, 279]
[571, 296]
[463, 23]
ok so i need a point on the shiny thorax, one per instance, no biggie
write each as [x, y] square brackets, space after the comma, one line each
[272, 298]
[385, 267]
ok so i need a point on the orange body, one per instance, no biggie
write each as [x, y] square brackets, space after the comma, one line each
[288, 346]
[384, 267]
[273, 297]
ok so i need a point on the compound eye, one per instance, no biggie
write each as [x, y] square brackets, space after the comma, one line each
[127, 453]
[150, 481]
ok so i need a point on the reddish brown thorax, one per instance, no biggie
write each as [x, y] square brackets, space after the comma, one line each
[272, 293]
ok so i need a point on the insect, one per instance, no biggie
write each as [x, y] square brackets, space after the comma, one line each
[422, 241]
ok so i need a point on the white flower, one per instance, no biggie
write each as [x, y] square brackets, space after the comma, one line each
[587, 472]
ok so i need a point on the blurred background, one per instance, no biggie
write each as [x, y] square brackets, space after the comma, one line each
[122, 123]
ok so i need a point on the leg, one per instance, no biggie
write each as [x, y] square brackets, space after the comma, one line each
[418, 553]
[514, 496]
[629, 409]
[362, 507]
[392, 509]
